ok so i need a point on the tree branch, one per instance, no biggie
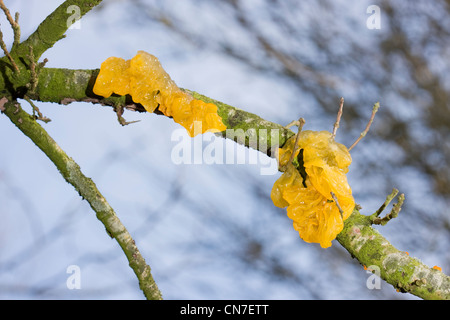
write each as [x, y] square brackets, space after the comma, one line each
[87, 189]
[405, 273]
[358, 237]
[52, 29]
[64, 86]
[364, 243]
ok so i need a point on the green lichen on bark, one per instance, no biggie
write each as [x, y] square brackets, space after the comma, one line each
[66, 85]
[63, 86]
[19, 78]
[53, 28]
[264, 134]
[405, 273]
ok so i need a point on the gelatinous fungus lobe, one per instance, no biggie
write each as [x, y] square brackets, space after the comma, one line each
[308, 197]
[113, 78]
[145, 80]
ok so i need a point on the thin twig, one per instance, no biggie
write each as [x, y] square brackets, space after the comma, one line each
[34, 75]
[337, 204]
[338, 119]
[292, 123]
[7, 13]
[363, 134]
[16, 28]
[301, 123]
[119, 111]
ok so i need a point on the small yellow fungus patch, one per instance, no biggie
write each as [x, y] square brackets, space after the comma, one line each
[145, 80]
[437, 268]
[309, 199]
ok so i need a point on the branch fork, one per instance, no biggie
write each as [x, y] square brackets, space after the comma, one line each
[375, 219]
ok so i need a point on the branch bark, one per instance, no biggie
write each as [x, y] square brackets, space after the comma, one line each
[63, 86]
[21, 82]
[405, 273]
[52, 29]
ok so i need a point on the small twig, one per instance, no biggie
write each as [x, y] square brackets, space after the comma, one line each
[337, 204]
[34, 75]
[35, 69]
[389, 198]
[393, 214]
[338, 119]
[5, 50]
[6, 11]
[119, 111]
[301, 123]
[292, 123]
[32, 85]
[36, 110]
[16, 28]
[13, 22]
[395, 209]
[363, 134]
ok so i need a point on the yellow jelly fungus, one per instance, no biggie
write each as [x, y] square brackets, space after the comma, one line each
[437, 268]
[308, 199]
[145, 80]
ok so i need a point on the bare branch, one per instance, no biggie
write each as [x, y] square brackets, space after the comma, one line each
[13, 22]
[338, 119]
[389, 198]
[363, 134]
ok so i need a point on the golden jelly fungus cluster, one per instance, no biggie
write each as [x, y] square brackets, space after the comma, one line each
[145, 80]
[308, 197]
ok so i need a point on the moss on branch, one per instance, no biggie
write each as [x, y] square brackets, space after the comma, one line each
[268, 135]
[64, 86]
[405, 273]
